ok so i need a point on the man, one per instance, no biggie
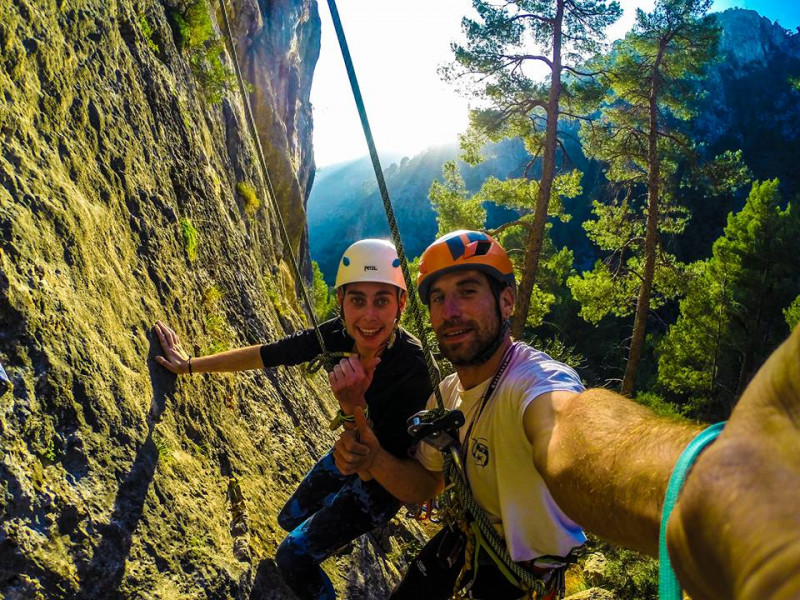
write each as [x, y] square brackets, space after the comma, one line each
[604, 461]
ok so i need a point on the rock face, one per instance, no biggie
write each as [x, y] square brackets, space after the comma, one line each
[747, 37]
[119, 206]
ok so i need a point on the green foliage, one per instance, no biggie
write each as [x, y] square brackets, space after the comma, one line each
[506, 38]
[190, 238]
[147, 30]
[554, 266]
[163, 447]
[49, 452]
[612, 286]
[196, 36]
[325, 305]
[792, 313]
[220, 336]
[630, 575]
[657, 61]
[733, 314]
[454, 209]
[556, 348]
[472, 143]
[251, 200]
[658, 405]
[211, 297]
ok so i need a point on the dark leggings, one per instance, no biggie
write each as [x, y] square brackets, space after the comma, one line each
[430, 578]
[327, 511]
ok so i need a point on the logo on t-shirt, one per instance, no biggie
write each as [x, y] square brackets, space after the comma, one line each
[480, 452]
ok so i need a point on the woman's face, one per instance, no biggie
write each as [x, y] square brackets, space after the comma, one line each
[370, 310]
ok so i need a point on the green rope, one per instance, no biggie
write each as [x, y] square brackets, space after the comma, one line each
[461, 496]
[326, 357]
[668, 586]
[413, 298]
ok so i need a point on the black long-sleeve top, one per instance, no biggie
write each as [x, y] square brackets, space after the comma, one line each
[400, 385]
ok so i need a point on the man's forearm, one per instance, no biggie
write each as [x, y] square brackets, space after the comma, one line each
[607, 462]
[240, 359]
[406, 479]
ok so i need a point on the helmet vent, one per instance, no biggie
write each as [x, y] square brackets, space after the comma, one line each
[482, 247]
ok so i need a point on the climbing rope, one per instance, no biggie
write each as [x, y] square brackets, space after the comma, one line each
[327, 358]
[413, 298]
[460, 497]
[453, 473]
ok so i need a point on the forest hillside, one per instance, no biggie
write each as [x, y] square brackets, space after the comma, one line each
[749, 104]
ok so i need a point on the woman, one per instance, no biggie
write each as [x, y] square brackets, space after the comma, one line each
[385, 375]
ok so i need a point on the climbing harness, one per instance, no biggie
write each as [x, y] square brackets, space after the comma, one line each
[327, 358]
[668, 586]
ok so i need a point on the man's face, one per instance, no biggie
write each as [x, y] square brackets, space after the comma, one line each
[464, 315]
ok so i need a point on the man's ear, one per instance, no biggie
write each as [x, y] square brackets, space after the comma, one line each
[506, 300]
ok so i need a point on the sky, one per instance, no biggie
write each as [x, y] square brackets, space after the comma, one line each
[397, 46]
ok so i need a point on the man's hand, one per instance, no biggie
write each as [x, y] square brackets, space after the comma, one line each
[735, 531]
[350, 380]
[356, 449]
[175, 359]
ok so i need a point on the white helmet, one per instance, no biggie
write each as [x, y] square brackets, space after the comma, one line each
[370, 261]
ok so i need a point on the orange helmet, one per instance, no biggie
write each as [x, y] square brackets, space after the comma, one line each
[459, 251]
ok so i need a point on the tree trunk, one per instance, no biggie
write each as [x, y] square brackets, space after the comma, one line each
[651, 237]
[533, 244]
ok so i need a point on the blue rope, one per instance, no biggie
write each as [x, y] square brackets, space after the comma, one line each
[668, 586]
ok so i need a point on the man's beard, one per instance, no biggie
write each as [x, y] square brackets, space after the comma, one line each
[473, 351]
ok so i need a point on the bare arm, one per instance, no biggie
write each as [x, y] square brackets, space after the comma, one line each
[176, 360]
[358, 450]
[606, 460]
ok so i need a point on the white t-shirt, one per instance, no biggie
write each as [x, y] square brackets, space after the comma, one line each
[499, 460]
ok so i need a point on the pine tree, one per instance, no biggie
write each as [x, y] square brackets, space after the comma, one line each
[638, 135]
[733, 315]
[451, 201]
[324, 300]
[504, 47]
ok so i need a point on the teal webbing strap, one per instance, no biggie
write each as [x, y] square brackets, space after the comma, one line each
[668, 586]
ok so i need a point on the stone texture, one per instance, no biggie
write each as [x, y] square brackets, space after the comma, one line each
[594, 569]
[118, 480]
[592, 594]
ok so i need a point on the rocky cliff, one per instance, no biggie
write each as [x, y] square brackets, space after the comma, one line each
[129, 191]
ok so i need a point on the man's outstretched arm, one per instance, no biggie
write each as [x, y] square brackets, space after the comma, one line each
[735, 532]
[606, 460]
